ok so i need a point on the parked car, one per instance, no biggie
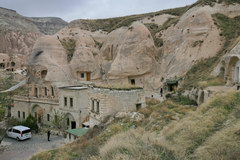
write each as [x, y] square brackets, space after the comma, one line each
[19, 132]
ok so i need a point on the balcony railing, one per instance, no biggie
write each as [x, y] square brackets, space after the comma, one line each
[44, 100]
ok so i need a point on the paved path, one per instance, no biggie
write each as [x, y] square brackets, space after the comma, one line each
[22, 150]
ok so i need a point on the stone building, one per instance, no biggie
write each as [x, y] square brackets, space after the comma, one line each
[41, 102]
[73, 102]
[105, 102]
[80, 105]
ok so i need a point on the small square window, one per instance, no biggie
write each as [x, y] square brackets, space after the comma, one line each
[132, 81]
[82, 75]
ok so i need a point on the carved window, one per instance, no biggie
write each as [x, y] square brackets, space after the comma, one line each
[98, 107]
[92, 106]
[23, 115]
[71, 102]
[65, 101]
[48, 117]
[82, 75]
[45, 91]
[52, 89]
[36, 92]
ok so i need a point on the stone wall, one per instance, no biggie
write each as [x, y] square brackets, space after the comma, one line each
[112, 101]
[79, 109]
[32, 105]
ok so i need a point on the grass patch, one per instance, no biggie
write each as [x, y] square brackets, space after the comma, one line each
[154, 29]
[214, 81]
[204, 68]
[194, 130]
[183, 100]
[212, 2]
[224, 109]
[230, 27]
[111, 24]
[98, 44]
[2, 113]
[69, 45]
[134, 144]
[161, 114]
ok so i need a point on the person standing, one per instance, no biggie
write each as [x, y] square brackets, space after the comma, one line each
[161, 92]
[48, 135]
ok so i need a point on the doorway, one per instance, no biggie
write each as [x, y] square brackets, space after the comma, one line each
[88, 76]
[237, 74]
[138, 106]
[73, 124]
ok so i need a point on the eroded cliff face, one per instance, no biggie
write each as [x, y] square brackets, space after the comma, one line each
[18, 33]
[48, 25]
[130, 51]
[193, 38]
[17, 42]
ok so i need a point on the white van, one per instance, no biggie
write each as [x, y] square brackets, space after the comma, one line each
[19, 132]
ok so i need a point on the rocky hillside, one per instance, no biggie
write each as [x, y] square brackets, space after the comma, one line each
[169, 131]
[150, 48]
[18, 33]
[48, 25]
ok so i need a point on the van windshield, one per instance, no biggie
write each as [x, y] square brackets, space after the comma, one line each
[26, 131]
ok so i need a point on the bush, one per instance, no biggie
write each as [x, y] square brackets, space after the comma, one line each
[229, 26]
[69, 45]
[2, 113]
[183, 100]
[30, 122]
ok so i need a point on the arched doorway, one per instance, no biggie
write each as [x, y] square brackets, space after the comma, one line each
[234, 70]
[70, 121]
[38, 112]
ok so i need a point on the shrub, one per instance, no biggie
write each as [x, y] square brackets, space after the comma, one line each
[69, 45]
[183, 100]
[31, 122]
[2, 113]
[230, 27]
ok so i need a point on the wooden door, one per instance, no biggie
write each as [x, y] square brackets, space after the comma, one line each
[88, 76]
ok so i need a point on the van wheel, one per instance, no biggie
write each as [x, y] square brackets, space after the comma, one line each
[18, 139]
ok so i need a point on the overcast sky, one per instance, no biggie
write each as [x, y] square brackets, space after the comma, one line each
[89, 9]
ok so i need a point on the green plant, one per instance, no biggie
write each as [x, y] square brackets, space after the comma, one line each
[58, 120]
[183, 100]
[98, 44]
[230, 27]
[30, 122]
[69, 45]
[2, 113]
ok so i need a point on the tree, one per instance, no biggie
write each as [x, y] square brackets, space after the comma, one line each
[58, 120]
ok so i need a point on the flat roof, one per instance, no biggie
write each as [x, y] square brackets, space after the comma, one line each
[77, 131]
[74, 87]
[21, 128]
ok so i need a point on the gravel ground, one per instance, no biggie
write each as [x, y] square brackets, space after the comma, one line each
[12, 149]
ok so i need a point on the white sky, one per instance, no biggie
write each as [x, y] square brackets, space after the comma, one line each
[89, 9]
